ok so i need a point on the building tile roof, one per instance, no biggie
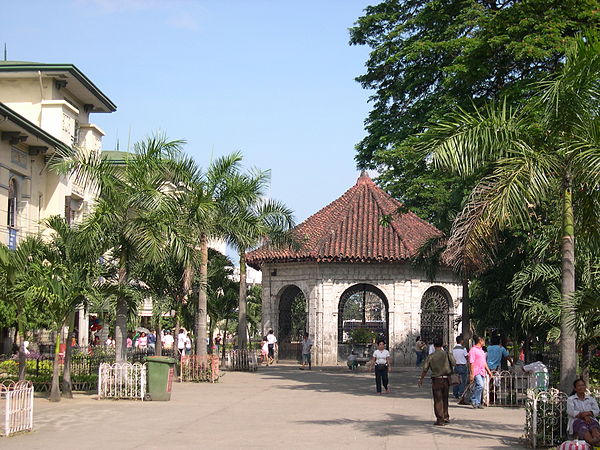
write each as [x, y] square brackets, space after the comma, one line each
[350, 229]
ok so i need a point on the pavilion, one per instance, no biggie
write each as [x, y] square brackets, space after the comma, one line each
[354, 270]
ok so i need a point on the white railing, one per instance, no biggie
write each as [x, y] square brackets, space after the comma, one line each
[124, 380]
[546, 417]
[17, 408]
[241, 360]
[507, 388]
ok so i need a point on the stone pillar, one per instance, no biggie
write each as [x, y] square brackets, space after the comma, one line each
[84, 326]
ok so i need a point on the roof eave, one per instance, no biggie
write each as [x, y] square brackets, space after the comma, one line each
[72, 69]
[30, 127]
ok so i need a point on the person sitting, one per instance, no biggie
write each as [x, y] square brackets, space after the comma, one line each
[352, 362]
[582, 410]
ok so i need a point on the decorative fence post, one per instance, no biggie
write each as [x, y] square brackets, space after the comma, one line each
[18, 407]
[122, 380]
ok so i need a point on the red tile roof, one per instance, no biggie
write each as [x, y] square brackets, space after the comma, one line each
[349, 230]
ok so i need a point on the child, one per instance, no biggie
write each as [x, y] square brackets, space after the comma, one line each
[264, 351]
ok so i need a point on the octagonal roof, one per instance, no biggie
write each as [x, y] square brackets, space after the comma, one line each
[354, 228]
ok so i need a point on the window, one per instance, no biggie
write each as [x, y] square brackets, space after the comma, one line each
[12, 203]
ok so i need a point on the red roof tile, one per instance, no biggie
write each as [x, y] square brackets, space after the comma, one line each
[349, 230]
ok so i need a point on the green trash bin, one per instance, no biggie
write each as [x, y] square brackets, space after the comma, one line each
[161, 371]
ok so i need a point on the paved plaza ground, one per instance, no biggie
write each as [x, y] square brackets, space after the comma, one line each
[279, 407]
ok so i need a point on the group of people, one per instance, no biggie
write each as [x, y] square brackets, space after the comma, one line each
[147, 341]
[267, 348]
[476, 363]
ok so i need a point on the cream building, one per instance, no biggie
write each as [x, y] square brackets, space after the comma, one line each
[43, 108]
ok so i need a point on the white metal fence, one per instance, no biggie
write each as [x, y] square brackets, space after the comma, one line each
[241, 360]
[124, 380]
[508, 388]
[546, 417]
[16, 405]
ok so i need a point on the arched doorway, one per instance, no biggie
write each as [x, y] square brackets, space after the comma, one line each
[293, 322]
[435, 315]
[361, 307]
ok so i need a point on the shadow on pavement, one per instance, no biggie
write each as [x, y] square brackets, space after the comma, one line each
[403, 380]
[398, 424]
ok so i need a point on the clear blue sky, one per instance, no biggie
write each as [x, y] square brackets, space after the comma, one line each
[273, 79]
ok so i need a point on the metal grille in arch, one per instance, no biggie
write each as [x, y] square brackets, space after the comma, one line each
[435, 316]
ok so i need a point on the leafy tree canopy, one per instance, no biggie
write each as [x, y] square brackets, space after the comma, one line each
[430, 56]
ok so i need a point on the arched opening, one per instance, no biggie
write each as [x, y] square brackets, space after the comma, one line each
[362, 309]
[435, 315]
[293, 322]
[12, 203]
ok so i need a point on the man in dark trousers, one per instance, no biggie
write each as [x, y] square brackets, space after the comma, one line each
[441, 365]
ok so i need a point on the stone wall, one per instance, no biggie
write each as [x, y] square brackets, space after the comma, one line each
[324, 283]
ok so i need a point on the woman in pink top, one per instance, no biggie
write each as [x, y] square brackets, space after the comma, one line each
[478, 368]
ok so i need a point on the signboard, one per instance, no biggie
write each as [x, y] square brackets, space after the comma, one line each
[12, 239]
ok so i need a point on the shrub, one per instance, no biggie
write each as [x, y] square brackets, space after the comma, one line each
[362, 336]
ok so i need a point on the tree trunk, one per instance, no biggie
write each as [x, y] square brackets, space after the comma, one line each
[67, 390]
[22, 356]
[568, 346]
[158, 345]
[585, 363]
[201, 317]
[224, 340]
[121, 319]
[466, 315]
[55, 391]
[243, 305]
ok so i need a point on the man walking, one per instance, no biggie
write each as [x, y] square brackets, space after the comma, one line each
[441, 365]
[478, 368]
[460, 356]
[306, 347]
[272, 342]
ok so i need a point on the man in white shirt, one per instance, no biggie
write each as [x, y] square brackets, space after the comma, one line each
[181, 341]
[272, 342]
[168, 341]
[460, 356]
[306, 347]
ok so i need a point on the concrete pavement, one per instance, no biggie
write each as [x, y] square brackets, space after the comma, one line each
[276, 407]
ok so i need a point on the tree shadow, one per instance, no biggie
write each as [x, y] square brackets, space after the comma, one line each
[398, 424]
[403, 381]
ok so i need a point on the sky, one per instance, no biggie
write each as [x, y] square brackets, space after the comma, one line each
[272, 79]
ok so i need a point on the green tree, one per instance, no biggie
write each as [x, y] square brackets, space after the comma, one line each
[255, 220]
[431, 56]
[58, 281]
[206, 212]
[222, 291]
[547, 149]
[135, 209]
[14, 265]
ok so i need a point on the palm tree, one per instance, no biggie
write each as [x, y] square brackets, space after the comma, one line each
[58, 286]
[206, 214]
[14, 264]
[255, 220]
[135, 209]
[222, 291]
[547, 149]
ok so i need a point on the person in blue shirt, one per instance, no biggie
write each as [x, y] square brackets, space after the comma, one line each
[495, 353]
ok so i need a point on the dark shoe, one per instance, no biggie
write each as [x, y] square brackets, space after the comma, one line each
[479, 406]
[446, 420]
[439, 424]
[301, 368]
[474, 406]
